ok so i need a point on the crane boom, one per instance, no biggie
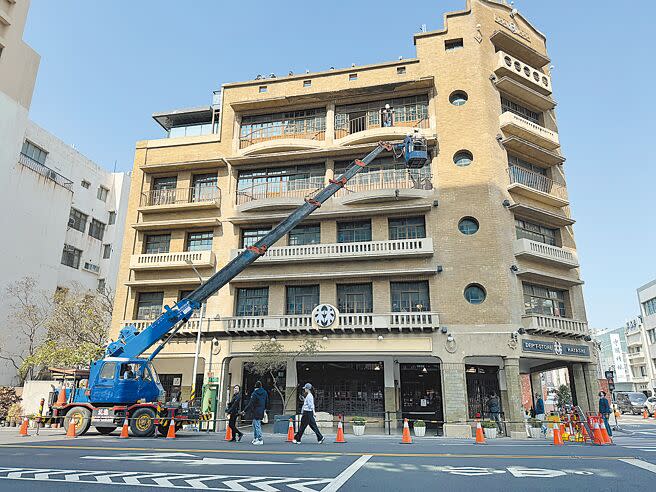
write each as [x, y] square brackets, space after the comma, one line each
[132, 344]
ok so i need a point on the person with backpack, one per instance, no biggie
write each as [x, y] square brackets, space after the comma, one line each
[257, 405]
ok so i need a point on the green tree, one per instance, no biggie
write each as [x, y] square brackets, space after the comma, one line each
[564, 396]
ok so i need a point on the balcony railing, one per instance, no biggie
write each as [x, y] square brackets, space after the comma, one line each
[346, 251]
[537, 182]
[346, 125]
[554, 325]
[181, 259]
[521, 127]
[176, 196]
[546, 252]
[522, 71]
[44, 170]
[282, 188]
[189, 326]
[388, 179]
[312, 128]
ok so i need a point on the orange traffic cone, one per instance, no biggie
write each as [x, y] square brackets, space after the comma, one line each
[61, 397]
[124, 430]
[406, 433]
[70, 432]
[23, 428]
[340, 431]
[480, 437]
[605, 438]
[228, 435]
[171, 432]
[645, 414]
[558, 438]
[290, 431]
[597, 436]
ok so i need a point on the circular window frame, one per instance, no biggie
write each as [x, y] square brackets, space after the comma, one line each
[479, 286]
[469, 218]
[454, 95]
[463, 153]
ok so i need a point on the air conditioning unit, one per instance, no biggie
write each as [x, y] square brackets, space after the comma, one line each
[71, 222]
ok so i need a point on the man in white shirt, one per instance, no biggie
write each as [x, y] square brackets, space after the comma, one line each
[308, 417]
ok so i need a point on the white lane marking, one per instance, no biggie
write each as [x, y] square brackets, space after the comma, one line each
[342, 478]
[183, 458]
[640, 464]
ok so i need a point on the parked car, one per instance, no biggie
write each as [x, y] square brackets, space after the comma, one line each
[650, 405]
[630, 402]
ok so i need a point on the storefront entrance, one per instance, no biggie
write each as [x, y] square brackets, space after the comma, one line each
[421, 393]
[482, 381]
[248, 385]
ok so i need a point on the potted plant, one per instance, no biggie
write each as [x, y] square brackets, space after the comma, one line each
[535, 428]
[419, 427]
[14, 413]
[489, 429]
[358, 425]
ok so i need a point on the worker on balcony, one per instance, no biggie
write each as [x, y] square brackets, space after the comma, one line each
[387, 116]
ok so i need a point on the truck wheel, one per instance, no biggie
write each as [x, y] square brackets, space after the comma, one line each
[142, 422]
[81, 416]
[105, 430]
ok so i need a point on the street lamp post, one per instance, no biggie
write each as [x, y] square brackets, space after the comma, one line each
[200, 328]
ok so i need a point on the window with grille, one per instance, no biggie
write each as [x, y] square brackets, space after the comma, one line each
[302, 299]
[516, 161]
[107, 251]
[34, 152]
[305, 234]
[279, 181]
[77, 220]
[102, 193]
[354, 231]
[355, 298]
[112, 218]
[409, 296]
[200, 241]
[308, 122]
[535, 232]
[165, 183]
[250, 236]
[204, 187]
[97, 229]
[544, 300]
[407, 228]
[71, 256]
[650, 306]
[518, 109]
[149, 305]
[405, 111]
[157, 243]
[252, 301]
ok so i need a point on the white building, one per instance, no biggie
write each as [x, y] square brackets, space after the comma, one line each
[647, 301]
[640, 364]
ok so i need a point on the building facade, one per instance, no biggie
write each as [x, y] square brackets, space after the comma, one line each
[647, 301]
[448, 282]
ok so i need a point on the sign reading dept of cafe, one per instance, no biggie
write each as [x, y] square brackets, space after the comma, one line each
[555, 348]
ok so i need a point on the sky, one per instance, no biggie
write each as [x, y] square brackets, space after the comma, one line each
[107, 66]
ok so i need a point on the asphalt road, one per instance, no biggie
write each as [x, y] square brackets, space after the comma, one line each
[206, 462]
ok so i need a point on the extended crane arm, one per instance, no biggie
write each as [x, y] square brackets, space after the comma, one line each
[133, 344]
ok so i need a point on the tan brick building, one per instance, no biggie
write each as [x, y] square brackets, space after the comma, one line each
[450, 281]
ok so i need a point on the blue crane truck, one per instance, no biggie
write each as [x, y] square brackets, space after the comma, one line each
[124, 383]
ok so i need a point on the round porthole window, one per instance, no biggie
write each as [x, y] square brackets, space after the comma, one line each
[475, 294]
[468, 226]
[463, 158]
[458, 98]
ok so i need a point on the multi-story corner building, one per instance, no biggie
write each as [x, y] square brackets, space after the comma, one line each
[450, 281]
[614, 356]
[647, 301]
[640, 364]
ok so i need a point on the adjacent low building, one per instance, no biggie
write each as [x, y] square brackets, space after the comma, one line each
[647, 301]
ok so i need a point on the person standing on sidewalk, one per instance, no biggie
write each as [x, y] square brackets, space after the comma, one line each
[308, 417]
[605, 411]
[494, 408]
[539, 407]
[233, 411]
[257, 405]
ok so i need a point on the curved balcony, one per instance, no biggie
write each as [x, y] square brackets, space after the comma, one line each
[537, 186]
[278, 195]
[514, 125]
[510, 66]
[284, 135]
[180, 199]
[362, 130]
[545, 253]
[386, 185]
[554, 325]
[183, 259]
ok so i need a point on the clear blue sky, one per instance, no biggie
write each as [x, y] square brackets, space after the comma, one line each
[107, 66]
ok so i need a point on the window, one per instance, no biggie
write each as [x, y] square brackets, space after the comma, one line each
[544, 300]
[107, 371]
[305, 234]
[102, 285]
[85, 184]
[353, 76]
[468, 226]
[307, 123]
[650, 306]
[279, 181]
[475, 294]
[409, 296]
[91, 267]
[652, 336]
[518, 109]
[302, 299]
[193, 130]
[407, 228]
[149, 305]
[400, 70]
[516, 161]
[112, 218]
[355, 298]
[250, 236]
[406, 111]
[165, 183]
[33, 152]
[200, 241]
[453, 44]
[107, 251]
[262, 89]
[253, 301]
[157, 243]
[463, 158]
[643, 371]
[77, 220]
[458, 98]
[71, 256]
[97, 229]
[307, 83]
[353, 232]
[204, 187]
[102, 193]
[535, 232]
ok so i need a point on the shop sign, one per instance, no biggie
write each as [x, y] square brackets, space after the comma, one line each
[325, 316]
[555, 348]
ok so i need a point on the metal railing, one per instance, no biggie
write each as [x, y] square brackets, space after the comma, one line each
[44, 170]
[313, 128]
[388, 179]
[284, 187]
[174, 196]
[536, 181]
[361, 123]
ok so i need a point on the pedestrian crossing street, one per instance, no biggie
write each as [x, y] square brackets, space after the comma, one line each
[172, 480]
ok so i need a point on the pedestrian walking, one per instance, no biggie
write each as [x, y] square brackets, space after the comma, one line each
[494, 409]
[539, 407]
[605, 411]
[257, 406]
[308, 417]
[233, 411]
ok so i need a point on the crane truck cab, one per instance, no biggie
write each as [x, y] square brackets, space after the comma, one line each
[125, 380]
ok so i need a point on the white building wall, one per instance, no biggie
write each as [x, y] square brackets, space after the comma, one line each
[645, 293]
